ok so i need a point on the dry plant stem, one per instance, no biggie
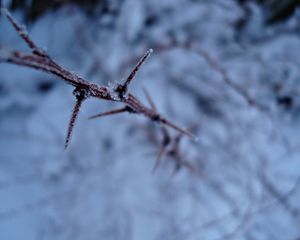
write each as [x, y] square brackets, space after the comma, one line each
[40, 60]
[22, 32]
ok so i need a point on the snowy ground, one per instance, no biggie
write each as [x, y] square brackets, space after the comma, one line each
[248, 156]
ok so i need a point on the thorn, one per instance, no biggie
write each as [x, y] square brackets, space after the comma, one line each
[72, 120]
[122, 88]
[112, 112]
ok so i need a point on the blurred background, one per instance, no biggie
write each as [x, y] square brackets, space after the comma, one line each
[228, 70]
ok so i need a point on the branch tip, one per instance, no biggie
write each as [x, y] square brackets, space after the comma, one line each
[121, 89]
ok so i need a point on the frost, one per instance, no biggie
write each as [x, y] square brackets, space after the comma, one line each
[149, 51]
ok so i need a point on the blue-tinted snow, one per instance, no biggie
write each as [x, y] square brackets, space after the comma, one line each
[102, 186]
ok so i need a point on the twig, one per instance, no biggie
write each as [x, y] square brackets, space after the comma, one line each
[40, 60]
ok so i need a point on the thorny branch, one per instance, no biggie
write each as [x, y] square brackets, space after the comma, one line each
[40, 60]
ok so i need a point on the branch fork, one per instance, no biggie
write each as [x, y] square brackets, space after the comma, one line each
[39, 59]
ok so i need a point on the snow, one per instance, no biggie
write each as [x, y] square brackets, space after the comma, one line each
[102, 187]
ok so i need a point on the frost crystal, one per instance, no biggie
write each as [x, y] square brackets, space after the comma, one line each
[81, 93]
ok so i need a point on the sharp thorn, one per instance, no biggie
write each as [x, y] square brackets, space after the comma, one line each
[112, 112]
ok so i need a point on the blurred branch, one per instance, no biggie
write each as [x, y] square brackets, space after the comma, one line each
[281, 198]
[216, 66]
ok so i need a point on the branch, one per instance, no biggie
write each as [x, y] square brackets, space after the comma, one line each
[40, 60]
[21, 30]
[80, 97]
